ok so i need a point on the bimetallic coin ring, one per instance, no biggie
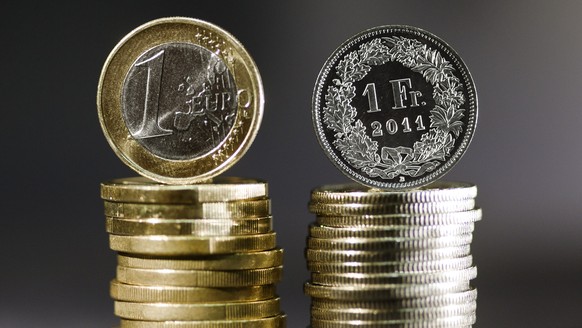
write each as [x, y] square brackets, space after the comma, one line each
[179, 100]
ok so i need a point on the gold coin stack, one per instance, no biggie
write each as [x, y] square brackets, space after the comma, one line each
[200, 256]
[392, 259]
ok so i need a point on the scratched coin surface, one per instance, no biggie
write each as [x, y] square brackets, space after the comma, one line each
[180, 100]
[394, 107]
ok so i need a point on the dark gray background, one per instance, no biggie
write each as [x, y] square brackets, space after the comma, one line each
[525, 57]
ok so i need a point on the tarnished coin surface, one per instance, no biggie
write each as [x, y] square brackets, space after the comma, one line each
[394, 107]
[179, 100]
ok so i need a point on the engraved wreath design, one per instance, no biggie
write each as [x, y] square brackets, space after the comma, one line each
[357, 148]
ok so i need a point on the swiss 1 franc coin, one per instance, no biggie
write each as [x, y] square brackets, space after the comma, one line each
[394, 107]
[179, 100]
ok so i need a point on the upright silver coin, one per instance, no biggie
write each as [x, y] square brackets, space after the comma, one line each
[394, 107]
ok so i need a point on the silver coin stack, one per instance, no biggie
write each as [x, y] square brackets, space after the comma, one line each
[392, 259]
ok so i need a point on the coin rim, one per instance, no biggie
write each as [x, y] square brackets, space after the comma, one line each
[472, 105]
[436, 191]
[157, 311]
[176, 294]
[142, 160]
[230, 261]
[220, 189]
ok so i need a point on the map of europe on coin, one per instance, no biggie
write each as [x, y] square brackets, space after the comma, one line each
[180, 100]
[394, 107]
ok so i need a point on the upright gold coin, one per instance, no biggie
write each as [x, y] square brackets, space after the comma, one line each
[144, 190]
[179, 100]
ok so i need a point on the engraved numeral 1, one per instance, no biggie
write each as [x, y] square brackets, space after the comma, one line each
[150, 125]
[370, 90]
[419, 125]
[406, 125]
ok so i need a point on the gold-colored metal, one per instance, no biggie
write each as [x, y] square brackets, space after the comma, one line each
[179, 294]
[232, 261]
[196, 227]
[187, 31]
[199, 278]
[190, 245]
[197, 312]
[144, 190]
[216, 210]
[437, 191]
[278, 321]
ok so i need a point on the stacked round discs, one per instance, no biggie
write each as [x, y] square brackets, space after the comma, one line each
[392, 259]
[199, 255]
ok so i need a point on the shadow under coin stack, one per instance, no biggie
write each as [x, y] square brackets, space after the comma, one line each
[199, 255]
[392, 259]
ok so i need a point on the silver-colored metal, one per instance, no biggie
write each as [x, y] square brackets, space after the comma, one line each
[401, 231]
[390, 266]
[367, 220]
[444, 322]
[379, 244]
[195, 104]
[364, 279]
[356, 193]
[392, 208]
[383, 292]
[395, 304]
[381, 314]
[394, 107]
[406, 255]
